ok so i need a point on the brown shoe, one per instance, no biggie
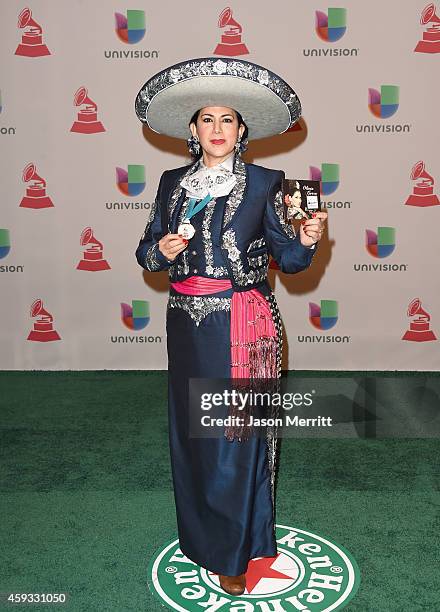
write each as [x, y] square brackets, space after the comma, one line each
[234, 585]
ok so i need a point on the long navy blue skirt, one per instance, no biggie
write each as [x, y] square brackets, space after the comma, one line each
[222, 489]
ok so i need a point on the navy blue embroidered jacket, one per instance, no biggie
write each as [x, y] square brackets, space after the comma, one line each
[234, 235]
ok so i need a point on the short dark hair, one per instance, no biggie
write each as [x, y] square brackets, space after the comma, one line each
[240, 122]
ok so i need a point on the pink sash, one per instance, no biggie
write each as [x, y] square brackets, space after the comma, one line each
[254, 341]
[253, 333]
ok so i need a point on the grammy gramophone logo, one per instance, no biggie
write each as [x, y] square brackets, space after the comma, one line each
[231, 43]
[42, 330]
[36, 196]
[423, 190]
[430, 42]
[92, 260]
[32, 37]
[419, 327]
[87, 119]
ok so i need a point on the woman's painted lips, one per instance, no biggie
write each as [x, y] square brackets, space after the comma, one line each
[221, 141]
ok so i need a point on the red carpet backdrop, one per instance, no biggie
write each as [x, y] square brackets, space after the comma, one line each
[79, 175]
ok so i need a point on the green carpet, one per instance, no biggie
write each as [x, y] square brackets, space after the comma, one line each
[86, 495]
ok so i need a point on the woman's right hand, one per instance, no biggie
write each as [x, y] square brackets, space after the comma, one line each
[171, 245]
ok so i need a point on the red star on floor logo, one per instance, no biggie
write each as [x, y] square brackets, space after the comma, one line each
[262, 568]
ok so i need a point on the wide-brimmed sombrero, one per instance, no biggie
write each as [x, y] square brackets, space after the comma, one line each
[168, 100]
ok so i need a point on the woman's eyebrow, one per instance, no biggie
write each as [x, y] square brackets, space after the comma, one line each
[224, 115]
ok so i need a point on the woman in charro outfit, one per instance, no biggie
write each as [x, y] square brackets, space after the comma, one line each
[213, 226]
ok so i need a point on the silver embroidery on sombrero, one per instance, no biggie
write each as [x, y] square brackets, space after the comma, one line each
[214, 67]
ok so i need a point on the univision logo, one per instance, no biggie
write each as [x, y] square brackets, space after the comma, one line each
[380, 244]
[130, 182]
[323, 316]
[383, 104]
[5, 130]
[328, 176]
[130, 29]
[331, 27]
[5, 243]
[135, 316]
[5, 248]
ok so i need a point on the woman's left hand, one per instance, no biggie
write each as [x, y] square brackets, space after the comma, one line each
[311, 230]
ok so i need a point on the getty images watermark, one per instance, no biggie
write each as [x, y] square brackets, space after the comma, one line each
[219, 405]
[315, 406]
[257, 409]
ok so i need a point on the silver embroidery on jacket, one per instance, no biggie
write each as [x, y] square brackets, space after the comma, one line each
[182, 258]
[257, 261]
[199, 306]
[150, 218]
[257, 244]
[236, 195]
[210, 269]
[272, 430]
[257, 253]
[151, 262]
[241, 277]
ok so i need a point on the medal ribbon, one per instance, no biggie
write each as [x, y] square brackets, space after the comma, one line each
[194, 208]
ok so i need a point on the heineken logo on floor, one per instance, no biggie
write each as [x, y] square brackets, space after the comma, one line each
[309, 573]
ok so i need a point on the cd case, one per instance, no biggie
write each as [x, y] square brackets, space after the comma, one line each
[301, 198]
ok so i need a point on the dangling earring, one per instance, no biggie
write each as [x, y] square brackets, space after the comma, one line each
[240, 146]
[193, 146]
